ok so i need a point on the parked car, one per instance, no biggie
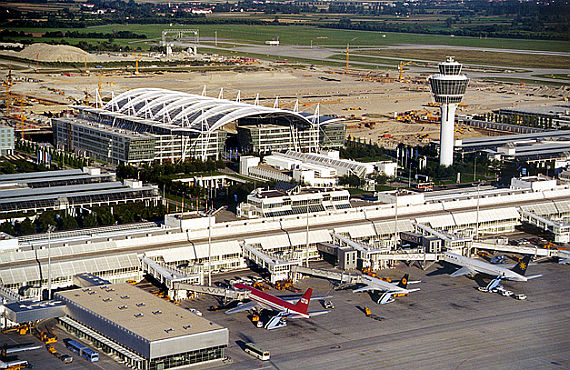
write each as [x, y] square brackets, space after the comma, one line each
[520, 296]
[195, 311]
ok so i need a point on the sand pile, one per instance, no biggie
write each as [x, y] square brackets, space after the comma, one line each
[56, 53]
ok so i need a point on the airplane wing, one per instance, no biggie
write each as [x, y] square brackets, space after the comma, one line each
[463, 271]
[376, 284]
[244, 307]
[310, 313]
[295, 299]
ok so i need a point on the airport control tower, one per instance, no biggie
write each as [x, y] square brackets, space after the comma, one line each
[448, 88]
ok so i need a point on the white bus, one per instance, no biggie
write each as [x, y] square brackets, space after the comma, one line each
[255, 351]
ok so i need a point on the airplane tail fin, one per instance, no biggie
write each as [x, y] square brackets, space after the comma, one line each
[303, 304]
[404, 282]
[520, 268]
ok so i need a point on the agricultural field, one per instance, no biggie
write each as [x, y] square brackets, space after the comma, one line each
[303, 35]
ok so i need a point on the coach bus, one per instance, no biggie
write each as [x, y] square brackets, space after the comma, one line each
[82, 350]
[255, 351]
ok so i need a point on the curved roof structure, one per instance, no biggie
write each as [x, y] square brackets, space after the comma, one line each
[196, 112]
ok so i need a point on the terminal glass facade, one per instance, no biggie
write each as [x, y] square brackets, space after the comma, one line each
[187, 358]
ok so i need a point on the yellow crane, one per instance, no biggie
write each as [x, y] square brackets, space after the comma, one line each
[401, 69]
[99, 88]
[137, 64]
[347, 58]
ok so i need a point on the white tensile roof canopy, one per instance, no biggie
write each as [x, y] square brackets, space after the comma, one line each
[197, 112]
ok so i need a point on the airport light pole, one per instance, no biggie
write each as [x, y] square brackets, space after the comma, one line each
[396, 220]
[307, 256]
[209, 250]
[50, 228]
[477, 220]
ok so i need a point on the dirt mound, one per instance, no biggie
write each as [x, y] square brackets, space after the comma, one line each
[56, 53]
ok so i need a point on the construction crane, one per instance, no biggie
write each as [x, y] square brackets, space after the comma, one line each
[99, 89]
[21, 101]
[137, 64]
[401, 69]
[347, 58]
[87, 95]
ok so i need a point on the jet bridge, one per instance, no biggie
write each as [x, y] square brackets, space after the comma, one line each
[169, 276]
[563, 255]
[342, 277]
[560, 230]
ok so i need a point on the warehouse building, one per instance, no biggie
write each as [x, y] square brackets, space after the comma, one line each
[144, 331]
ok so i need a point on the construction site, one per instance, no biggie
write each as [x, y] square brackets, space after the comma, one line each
[388, 108]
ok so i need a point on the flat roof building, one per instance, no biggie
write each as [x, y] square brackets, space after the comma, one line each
[6, 140]
[68, 190]
[164, 334]
[275, 203]
[555, 116]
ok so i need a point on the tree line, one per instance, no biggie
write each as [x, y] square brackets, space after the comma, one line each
[97, 216]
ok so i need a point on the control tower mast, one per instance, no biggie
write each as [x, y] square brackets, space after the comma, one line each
[448, 88]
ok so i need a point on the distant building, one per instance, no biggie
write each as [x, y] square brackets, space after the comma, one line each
[69, 190]
[274, 203]
[555, 116]
[534, 183]
[267, 138]
[103, 142]
[6, 140]
[148, 124]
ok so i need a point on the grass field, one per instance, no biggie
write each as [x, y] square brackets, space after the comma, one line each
[561, 76]
[303, 35]
[479, 57]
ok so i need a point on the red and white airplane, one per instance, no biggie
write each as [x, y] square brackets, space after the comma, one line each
[285, 306]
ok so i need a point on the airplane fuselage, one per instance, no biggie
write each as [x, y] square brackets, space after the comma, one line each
[271, 302]
[483, 267]
[383, 286]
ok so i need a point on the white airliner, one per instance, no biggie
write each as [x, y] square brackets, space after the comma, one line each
[390, 289]
[470, 266]
[284, 306]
